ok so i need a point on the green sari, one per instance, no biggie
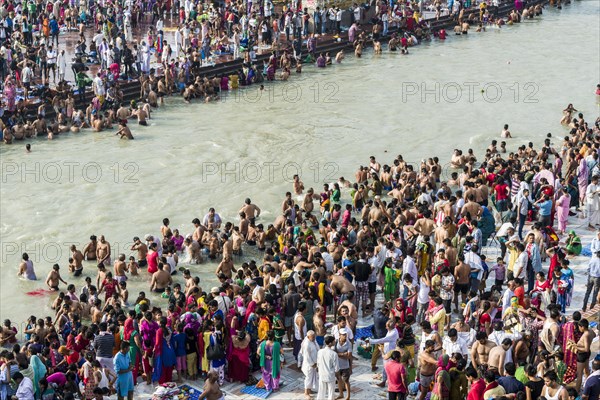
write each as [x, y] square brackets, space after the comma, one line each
[275, 358]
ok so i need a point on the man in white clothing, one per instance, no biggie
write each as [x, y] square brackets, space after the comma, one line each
[389, 343]
[592, 201]
[453, 344]
[309, 351]
[327, 362]
[24, 387]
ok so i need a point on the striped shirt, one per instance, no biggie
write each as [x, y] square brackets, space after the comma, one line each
[104, 344]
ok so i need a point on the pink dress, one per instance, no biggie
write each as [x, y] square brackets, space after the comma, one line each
[562, 211]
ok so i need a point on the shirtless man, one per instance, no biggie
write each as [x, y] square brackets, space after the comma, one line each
[298, 185]
[199, 230]
[427, 368]
[423, 226]
[522, 345]
[141, 115]
[142, 251]
[26, 268]
[481, 349]
[77, 264]
[89, 251]
[193, 251]
[226, 267]
[341, 286]
[7, 334]
[120, 267]
[462, 274]
[160, 279]
[54, 278]
[103, 251]
[124, 131]
[497, 356]
[211, 389]
[583, 350]
[251, 210]
[123, 113]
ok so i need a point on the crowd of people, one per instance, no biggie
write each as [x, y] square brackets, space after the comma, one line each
[37, 74]
[406, 231]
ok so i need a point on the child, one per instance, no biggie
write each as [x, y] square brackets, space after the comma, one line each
[500, 269]
[167, 293]
[191, 352]
[560, 366]
[180, 339]
[133, 266]
[123, 292]
[573, 395]
[486, 273]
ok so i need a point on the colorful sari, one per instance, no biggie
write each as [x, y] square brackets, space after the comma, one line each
[569, 332]
[441, 387]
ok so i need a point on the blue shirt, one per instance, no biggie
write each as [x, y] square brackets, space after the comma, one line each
[545, 208]
[592, 386]
[594, 267]
[179, 341]
[511, 384]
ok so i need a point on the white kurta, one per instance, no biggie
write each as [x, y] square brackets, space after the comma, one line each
[327, 362]
[309, 351]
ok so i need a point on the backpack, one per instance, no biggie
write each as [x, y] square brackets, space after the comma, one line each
[215, 350]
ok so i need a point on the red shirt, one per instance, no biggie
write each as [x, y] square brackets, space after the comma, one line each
[395, 372]
[477, 390]
[501, 192]
[152, 259]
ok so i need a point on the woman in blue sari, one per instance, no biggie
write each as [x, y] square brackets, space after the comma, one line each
[164, 354]
[39, 371]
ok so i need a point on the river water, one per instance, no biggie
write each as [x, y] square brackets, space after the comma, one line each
[320, 125]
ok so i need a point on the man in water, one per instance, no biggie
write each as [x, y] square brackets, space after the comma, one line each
[160, 280]
[103, 251]
[26, 268]
[251, 210]
[77, 264]
[54, 278]
[89, 251]
[124, 131]
[142, 251]
[120, 268]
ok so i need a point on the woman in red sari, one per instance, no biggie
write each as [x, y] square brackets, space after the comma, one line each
[570, 332]
[239, 366]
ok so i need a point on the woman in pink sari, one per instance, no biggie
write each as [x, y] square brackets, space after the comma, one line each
[562, 210]
[570, 332]
[582, 178]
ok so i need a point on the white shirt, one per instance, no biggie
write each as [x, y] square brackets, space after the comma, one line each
[423, 296]
[474, 262]
[335, 332]
[508, 294]
[409, 267]
[328, 258]
[450, 347]
[25, 390]
[389, 340]
[327, 362]
[595, 246]
[520, 266]
[309, 351]
[594, 267]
